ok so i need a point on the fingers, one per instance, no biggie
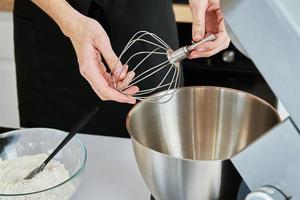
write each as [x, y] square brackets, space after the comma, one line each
[198, 9]
[208, 49]
[88, 46]
[132, 90]
[107, 78]
[112, 94]
[102, 43]
[221, 42]
[208, 16]
[99, 62]
[211, 48]
[107, 93]
[92, 70]
[121, 72]
[127, 80]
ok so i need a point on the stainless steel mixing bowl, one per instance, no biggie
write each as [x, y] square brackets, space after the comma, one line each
[183, 147]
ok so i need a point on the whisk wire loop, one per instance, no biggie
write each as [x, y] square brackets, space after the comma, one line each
[164, 73]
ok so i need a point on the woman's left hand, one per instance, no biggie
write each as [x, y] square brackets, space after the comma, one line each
[208, 19]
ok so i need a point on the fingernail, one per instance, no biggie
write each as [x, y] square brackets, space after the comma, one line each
[118, 71]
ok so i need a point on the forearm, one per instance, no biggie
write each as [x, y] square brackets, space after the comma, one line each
[62, 13]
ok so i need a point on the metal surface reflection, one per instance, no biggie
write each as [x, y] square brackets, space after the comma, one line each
[183, 147]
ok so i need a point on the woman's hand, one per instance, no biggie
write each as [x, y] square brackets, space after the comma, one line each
[92, 44]
[208, 19]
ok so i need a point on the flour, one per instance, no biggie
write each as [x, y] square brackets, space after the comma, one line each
[12, 173]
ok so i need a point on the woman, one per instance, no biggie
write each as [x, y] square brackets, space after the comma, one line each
[56, 41]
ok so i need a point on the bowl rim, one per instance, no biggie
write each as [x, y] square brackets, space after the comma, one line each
[200, 87]
[77, 173]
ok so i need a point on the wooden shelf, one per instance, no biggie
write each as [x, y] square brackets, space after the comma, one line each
[182, 11]
[6, 5]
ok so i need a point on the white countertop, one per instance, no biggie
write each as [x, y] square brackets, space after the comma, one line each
[111, 172]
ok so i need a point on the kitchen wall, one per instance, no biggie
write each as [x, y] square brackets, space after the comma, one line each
[8, 89]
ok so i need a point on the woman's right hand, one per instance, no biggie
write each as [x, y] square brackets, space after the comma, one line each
[92, 44]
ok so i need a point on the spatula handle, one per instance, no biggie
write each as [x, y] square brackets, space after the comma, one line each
[81, 124]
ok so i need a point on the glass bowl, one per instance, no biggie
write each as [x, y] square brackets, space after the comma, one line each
[43, 141]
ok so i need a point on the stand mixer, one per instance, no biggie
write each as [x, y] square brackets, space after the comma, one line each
[268, 31]
[179, 145]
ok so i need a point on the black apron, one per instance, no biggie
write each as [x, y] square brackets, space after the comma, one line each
[51, 91]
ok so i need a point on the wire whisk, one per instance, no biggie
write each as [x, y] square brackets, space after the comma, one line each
[152, 66]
